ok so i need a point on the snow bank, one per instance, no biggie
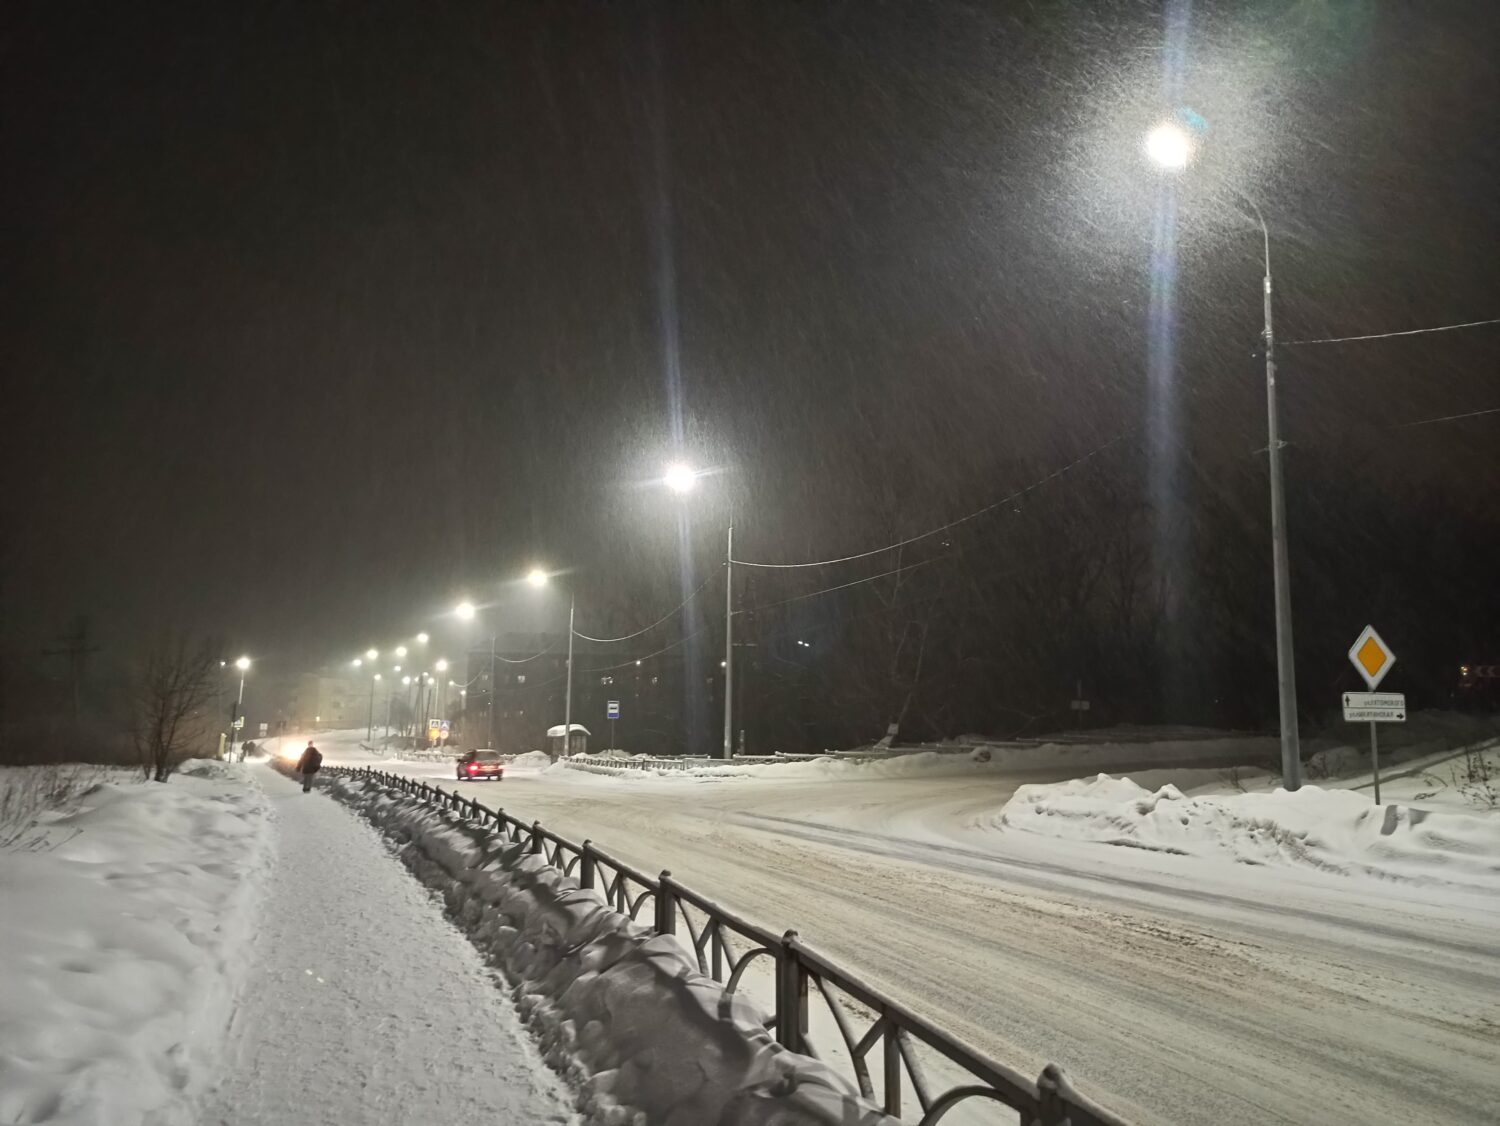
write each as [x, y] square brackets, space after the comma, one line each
[623, 1012]
[996, 758]
[122, 916]
[532, 760]
[1336, 830]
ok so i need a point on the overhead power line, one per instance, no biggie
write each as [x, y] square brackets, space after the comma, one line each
[1384, 335]
[669, 614]
[841, 586]
[1017, 495]
[1446, 418]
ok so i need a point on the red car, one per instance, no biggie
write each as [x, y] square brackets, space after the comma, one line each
[477, 765]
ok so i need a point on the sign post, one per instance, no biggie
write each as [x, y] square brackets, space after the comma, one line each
[612, 713]
[1372, 658]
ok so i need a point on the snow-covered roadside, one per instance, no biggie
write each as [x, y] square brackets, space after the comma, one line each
[1335, 830]
[123, 919]
[620, 1010]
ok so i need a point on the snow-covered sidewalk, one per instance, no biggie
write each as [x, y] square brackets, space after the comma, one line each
[363, 1003]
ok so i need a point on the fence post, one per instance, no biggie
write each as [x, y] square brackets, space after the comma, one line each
[1051, 1109]
[892, 1069]
[586, 865]
[666, 905]
[536, 838]
[791, 995]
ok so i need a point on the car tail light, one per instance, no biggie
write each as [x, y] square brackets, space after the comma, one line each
[473, 768]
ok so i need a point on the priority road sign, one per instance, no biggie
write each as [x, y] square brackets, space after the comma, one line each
[1371, 657]
[1375, 707]
[612, 709]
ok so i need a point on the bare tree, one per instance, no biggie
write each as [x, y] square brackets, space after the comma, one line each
[173, 690]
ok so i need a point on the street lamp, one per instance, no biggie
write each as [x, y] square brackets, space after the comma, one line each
[401, 650]
[465, 611]
[243, 664]
[421, 639]
[682, 479]
[372, 654]
[540, 578]
[1170, 147]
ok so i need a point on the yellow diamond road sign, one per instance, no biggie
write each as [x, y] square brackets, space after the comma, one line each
[1371, 656]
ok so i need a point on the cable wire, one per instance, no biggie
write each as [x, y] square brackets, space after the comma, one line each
[525, 660]
[951, 524]
[653, 625]
[841, 586]
[1446, 418]
[1384, 335]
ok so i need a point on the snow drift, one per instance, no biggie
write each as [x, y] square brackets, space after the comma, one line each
[623, 1012]
[123, 915]
[1336, 830]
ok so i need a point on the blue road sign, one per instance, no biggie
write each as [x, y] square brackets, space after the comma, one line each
[612, 710]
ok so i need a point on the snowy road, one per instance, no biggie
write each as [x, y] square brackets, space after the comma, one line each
[364, 1005]
[1174, 990]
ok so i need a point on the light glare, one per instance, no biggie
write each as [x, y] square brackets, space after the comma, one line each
[1169, 146]
[680, 478]
[465, 610]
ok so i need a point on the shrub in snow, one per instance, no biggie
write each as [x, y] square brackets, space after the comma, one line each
[622, 1011]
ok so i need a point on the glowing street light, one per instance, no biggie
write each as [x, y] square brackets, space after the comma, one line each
[401, 650]
[680, 478]
[537, 577]
[421, 639]
[243, 664]
[1169, 146]
[465, 611]
[442, 665]
[356, 662]
[371, 654]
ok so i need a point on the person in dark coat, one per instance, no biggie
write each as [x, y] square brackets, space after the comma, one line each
[308, 765]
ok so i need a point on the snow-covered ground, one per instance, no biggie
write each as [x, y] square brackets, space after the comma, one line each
[362, 1004]
[122, 915]
[224, 949]
[1174, 988]
[1339, 831]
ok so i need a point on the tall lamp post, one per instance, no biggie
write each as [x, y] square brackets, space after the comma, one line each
[371, 655]
[539, 578]
[243, 664]
[682, 479]
[1171, 147]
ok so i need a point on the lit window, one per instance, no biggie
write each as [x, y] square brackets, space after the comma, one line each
[521, 678]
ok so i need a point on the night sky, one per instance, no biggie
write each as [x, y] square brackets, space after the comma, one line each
[319, 316]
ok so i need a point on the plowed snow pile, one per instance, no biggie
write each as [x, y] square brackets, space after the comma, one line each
[1336, 830]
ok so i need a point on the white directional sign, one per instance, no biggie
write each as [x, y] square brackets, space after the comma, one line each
[1371, 656]
[612, 709]
[1374, 707]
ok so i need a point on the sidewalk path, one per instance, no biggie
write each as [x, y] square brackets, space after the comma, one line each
[365, 1005]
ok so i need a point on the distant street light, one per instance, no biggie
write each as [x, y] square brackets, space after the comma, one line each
[243, 664]
[371, 654]
[540, 578]
[421, 639]
[682, 479]
[357, 662]
[465, 611]
[1171, 147]
[442, 665]
[401, 650]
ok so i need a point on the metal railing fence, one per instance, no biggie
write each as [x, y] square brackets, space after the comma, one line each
[725, 945]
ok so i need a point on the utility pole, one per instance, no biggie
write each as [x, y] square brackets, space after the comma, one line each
[76, 649]
[729, 642]
[1286, 671]
[568, 697]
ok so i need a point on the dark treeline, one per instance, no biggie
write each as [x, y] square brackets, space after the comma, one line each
[1159, 613]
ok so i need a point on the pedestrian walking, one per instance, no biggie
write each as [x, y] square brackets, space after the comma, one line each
[308, 765]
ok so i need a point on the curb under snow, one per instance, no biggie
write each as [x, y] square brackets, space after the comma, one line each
[621, 1011]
